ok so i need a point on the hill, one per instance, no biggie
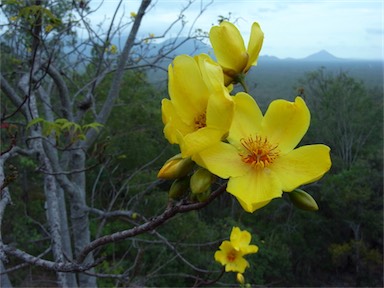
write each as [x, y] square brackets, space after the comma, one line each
[274, 77]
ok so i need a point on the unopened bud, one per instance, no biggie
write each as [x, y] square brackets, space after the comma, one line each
[201, 180]
[178, 188]
[202, 197]
[303, 200]
[240, 278]
[175, 167]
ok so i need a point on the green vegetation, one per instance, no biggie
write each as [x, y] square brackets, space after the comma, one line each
[341, 244]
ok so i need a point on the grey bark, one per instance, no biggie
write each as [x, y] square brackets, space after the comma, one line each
[5, 199]
[50, 187]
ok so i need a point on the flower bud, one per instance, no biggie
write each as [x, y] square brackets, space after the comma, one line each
[303, 200]
[175, 167]
[240, 278]
[202, 197]
[178, 188]
[201, 180]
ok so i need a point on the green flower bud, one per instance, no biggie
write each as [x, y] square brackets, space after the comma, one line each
[178, 188]
[176, 167]
[303, 200]
[201, 180]
[202, 197]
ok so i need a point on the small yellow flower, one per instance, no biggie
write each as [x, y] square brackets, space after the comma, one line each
[113, 49]
[230, 253]
[228, 46]
[260, 159]
[200, 110]
[48, 28]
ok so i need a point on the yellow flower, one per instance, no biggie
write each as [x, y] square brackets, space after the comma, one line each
[200, 110]
[228, 46]
[231, 252]
[113, 49]
[260, 159]
[48, 28]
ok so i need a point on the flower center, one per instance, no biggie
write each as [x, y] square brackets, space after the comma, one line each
[200, 121]
[231, 256]
[258, 151]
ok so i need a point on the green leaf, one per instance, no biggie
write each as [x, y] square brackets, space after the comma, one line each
[35, 121]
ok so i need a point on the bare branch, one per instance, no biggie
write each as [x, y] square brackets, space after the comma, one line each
[169, 212]
[50, 265]
[115, 86]
[12, 95]
[63, 91]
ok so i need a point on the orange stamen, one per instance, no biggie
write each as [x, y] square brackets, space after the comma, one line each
[258, 151]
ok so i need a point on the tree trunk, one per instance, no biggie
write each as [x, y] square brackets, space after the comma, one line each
[79, 216]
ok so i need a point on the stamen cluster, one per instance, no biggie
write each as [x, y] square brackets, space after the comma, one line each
[259, 152]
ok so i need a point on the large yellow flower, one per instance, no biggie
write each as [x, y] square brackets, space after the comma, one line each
[260, 159]
[200, 110]
[231, 252]
[228, 46]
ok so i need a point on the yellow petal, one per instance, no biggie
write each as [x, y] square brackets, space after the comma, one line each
[255, 187]
[221, 255]
[240, 239]
[238, 265]
[199, 140]
[222, 160]
[250, 249]
[228, 46]
[285, 123]
[211, 72]
[220, 103]
[252, 207]
[187, 89]
[303, 165]
[172, 122]
[254, 45]
[220, 111]
[246, 120]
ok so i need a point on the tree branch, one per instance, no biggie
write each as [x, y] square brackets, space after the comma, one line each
[169, 212]
[63, 91]
[115, 86]
[12, 95]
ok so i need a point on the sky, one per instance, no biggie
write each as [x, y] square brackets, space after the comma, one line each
[345, 28]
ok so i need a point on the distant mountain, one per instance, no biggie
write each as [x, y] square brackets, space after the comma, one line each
[323, 56]
[194, 47]
[183, 45]
[267, 58]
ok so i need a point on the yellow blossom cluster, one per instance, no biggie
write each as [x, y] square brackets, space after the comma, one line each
[227, 136]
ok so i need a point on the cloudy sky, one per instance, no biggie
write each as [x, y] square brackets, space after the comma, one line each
[345, 28]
